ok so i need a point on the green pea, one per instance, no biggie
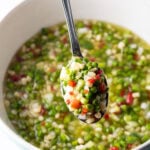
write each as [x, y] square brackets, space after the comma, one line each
[141, 121]
[63, 31]
[84, 101]
[127, 118]
[90, 107]
[11, 116]
[60, 58]
[85, 60]
[132, 138]
[86, 44]
[57, 131]
[80, 24]
[74, 143]
[88, 137]
[67, 119]
[78, 60]
[120, 99]
[89, 95]
[17, 67]
[102, 64]
[28, 43]
[51, 37]
[44, 31]
[96, 29]
[93, 89]
[109, 37]
[10, 85]
[94, 64]
[148, 126]
[114, 63]
[64, 137]
[145, 138]
[85, 71]
[137, 109]
[101, 147]
[135, 87]
[54, 142]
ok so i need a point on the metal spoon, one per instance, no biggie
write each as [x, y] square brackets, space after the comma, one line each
[102, 102]
[75, 47]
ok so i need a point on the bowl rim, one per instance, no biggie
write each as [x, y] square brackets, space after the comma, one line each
[5, 129]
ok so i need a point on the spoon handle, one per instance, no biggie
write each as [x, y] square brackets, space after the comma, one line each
[71, 29]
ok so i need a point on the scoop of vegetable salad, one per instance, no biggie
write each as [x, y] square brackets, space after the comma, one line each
[84, 88]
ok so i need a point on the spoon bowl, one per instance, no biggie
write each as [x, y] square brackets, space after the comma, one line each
[83, 83]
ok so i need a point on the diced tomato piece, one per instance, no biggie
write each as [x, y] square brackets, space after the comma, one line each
[91, 80]
[122, 93]
[102, 87]
[99, 72]
[89, 26]
[75, 104]
[122, 103]
[71, 93]
[148, 94]
[84, 110]
[43, 111]
[43, 123]
[72, 83]
[129, 146]
[129, 98]
[92, 59]
[136, 57]
[97, 77]
[64, 40]
[52, 88]
[16, 77]
[114, 148]
[19, 58]
[68, 101]
[86, 91]
[101, 44]
[106, 116]
[52, 69]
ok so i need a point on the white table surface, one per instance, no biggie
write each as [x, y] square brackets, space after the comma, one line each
[5, 7]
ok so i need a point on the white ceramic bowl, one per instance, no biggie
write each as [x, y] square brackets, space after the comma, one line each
[31, 15]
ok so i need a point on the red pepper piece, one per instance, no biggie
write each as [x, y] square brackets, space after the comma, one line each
[43, 123]
[42, 111]
[92, 59]
[122, 93]
[102, 87]
[129, 146]
[68, 101]
[97, 77]
[99, 72]
[75, 104]
[16, 77]
[84, 110]
[106, 116]
[136, 57]
[86, 91]
[114, 148]
[101, 44]
[71, 93]
[129, 98]
[64, 40]
[72, 83]
[91, 80]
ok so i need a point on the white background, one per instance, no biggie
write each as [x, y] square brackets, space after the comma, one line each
[5, 7]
